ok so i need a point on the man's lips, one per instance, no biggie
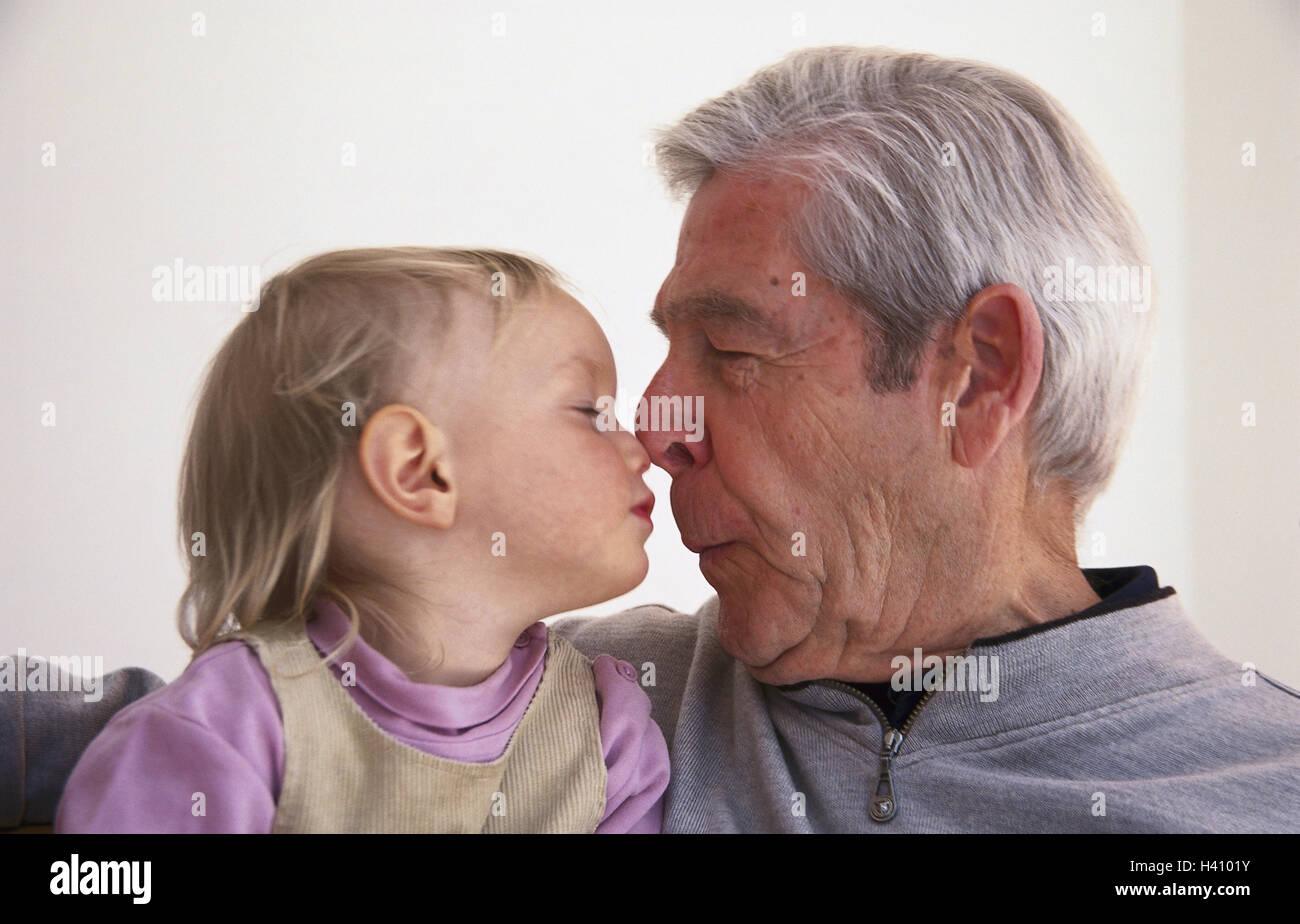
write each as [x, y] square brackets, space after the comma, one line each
[699, 548]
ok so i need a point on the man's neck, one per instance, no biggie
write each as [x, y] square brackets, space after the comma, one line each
[1043, 596]
[1039, 579]
[1036, 597]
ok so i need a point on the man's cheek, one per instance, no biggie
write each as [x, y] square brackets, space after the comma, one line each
[742, 374]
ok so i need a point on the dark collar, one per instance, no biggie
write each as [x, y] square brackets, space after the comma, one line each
[1119, 589]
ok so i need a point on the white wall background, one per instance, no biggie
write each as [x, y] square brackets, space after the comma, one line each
[225, 149]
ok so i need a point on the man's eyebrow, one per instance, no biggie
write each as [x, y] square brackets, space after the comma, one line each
[711, 306]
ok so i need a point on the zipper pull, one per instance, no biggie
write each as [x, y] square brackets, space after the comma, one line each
[884, 805]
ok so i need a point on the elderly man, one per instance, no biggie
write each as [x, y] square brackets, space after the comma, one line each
[901, 295]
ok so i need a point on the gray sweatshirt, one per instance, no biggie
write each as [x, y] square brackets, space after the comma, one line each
[1125, 721]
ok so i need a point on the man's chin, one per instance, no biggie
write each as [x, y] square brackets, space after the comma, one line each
[760, 640]
[780, 673]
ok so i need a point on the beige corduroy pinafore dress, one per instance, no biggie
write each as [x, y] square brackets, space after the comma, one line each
[344, 774]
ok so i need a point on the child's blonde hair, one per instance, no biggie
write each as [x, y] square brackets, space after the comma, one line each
[271, 431]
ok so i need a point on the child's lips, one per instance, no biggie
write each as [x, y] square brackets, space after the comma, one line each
[643, 509]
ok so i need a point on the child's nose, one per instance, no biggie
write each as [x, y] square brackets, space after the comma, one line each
[638, 458]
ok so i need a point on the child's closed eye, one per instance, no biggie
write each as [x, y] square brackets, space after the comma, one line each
[592, 413]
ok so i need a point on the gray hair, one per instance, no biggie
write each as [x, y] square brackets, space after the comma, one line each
[931, 179]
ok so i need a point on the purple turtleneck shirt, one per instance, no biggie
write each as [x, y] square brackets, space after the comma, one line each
[216, 729]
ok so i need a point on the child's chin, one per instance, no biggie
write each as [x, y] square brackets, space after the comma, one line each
[640, 571]
[628, 578]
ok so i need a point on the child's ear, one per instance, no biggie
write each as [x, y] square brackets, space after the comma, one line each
[406, 461]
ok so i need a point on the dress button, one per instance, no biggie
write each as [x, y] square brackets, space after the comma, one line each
[522, 641]
[627, 670]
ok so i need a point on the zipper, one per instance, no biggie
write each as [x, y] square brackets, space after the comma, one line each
[884, 804]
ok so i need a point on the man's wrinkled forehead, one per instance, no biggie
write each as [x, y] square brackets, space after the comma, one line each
[735, 267]
[742, 211]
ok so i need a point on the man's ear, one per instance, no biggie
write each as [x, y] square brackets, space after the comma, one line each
[996, 364]
[407, 463]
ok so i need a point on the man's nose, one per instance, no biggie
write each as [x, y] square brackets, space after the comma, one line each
[670, 425]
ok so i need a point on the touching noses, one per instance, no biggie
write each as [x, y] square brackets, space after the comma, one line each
[638, 458]
[673, 430]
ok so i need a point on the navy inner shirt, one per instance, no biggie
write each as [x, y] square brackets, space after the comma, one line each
[1118, 588]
